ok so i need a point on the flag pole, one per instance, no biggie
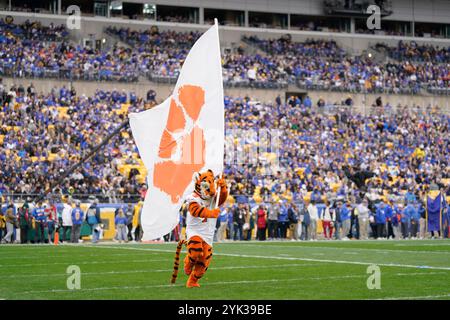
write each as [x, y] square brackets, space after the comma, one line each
[218, 193]
[78, 164]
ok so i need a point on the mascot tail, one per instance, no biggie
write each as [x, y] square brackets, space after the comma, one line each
[176, 264]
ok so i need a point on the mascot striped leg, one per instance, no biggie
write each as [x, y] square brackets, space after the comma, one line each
[197, 260]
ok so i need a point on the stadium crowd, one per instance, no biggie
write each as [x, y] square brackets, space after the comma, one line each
[323, 162]
[42, 135]
[34, 50]
[317, 160]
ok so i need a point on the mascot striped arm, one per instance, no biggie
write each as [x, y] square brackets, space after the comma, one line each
[200, 226]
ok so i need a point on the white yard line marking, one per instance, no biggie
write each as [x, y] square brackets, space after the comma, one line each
[295, 259]
[207, 284]
[158, 270]
[182, 285]
[58, 256]
[445, 295]
[79, 263]
[353, 249]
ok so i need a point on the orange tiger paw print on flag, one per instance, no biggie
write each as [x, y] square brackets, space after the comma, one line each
[190, 145]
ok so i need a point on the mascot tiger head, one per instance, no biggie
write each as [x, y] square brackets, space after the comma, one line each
[205, 185]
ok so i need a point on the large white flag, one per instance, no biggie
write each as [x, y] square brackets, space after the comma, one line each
[182, 135]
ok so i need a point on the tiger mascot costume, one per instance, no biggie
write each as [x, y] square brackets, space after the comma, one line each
[201, 220]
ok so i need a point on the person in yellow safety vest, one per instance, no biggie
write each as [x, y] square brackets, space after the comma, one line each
[137, 227]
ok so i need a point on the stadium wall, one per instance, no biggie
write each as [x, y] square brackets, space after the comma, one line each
[361, 101]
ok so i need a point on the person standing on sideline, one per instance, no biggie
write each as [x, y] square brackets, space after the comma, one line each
[93, 220]
[380, 220]
[272, 221]
[138, 232]
[345, 220]
[261, 223]
[407, 214]
[415, 221]
[121, 226]
[337, 220]
[25, 222]
[52, 220]
[230, 226]
[314, 216]
[293, 221]
[388, 212]
[223, 217]
[363, 219]
[238, 221]
[422, 221]
[247, 226]
[40, 220]
[306, 221]
[66, 216]
[397, 220]
[283, 221]
[2, 224]
[129, 215]
[77, 221]
[327, 221]
[9, 219]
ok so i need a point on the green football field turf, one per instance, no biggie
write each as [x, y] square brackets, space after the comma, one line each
[241, 270]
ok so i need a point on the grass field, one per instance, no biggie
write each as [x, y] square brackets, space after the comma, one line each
[242, 270]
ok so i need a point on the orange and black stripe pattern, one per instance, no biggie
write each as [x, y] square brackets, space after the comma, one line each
[195, 248]
[177, 261]
[198, 211]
